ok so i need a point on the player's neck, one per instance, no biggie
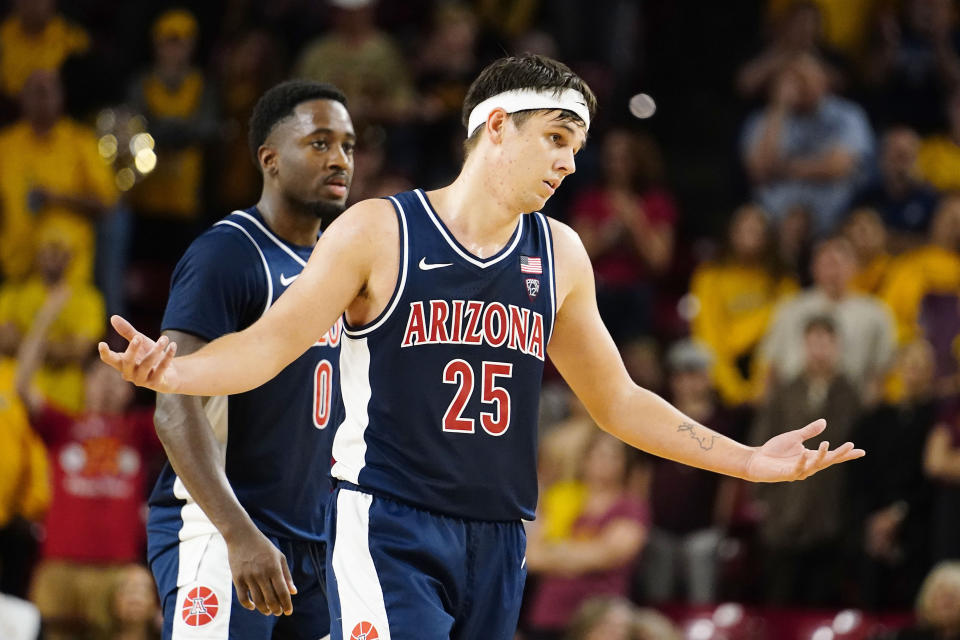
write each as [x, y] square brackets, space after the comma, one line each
[474, 210]
[287, 222]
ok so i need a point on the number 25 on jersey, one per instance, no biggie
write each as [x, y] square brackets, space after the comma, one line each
[460, 372]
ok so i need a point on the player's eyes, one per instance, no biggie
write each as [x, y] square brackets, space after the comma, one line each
[556, 138]
[320, 145]
[349, 148]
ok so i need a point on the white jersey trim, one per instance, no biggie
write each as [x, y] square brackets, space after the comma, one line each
[349, 447]
[358, 585]
[263, 259]
[272, 237]
[398, 293]
[483, 264]
[548, 247]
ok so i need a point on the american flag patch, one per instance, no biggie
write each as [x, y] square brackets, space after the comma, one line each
[530, 265]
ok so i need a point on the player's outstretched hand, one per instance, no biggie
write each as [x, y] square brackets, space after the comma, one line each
[260, 574]
[784, 457]
[145, 363]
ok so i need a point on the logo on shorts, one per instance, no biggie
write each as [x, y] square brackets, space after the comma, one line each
[364, 631]
[200, 606]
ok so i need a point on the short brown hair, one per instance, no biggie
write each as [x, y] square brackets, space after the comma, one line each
[528, 71]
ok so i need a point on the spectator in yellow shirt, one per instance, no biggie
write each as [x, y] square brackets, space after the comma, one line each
[931, 269]
[24, 485]
[180, 107]
[74, 331]
[939, 159]
[50, 176]
[866, 233]
[35, 37]
[736, 295]
[24, 480]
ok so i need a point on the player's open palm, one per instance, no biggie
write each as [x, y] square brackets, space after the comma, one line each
[260, 574]
[784, 457]
[145, 362]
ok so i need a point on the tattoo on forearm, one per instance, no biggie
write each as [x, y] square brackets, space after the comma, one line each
[705, 441]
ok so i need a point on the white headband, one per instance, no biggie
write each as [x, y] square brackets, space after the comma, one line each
[523, 99]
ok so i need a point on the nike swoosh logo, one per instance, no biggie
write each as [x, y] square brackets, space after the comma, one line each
[424, 266]
[287, 281]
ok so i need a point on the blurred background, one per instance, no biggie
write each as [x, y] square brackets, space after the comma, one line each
[779, 242]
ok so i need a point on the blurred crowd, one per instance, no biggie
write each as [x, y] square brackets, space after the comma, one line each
[779, 243]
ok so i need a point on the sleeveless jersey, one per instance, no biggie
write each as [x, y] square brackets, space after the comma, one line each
[441, 392]
[277, 438]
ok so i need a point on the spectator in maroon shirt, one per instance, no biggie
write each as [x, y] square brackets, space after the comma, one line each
[99, 460]
[627, 225]
[599, 556]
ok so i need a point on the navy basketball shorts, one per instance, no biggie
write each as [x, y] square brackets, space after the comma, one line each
[199, 601]
[396, 571]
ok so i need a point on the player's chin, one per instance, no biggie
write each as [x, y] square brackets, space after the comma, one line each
[531, 200]
[332, 202]
[328, 208]
[536, 203]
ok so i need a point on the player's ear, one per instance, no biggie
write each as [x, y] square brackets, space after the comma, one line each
[496, 123]
[268, 160]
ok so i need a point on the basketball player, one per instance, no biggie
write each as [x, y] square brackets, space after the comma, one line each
[236, 519]
[452, 299]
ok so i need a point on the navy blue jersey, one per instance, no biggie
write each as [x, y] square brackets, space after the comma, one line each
[276, 438]
[441, 392]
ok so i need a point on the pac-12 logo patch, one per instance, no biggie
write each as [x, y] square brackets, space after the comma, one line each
[533, 287]
[364, 631]
[200, 606]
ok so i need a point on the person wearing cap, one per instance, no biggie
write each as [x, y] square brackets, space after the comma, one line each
[690, 508]
[179, 104]
[450, 299]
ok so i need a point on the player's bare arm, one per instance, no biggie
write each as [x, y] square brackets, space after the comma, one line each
[259, 569]
[587, 357]
[349, 269]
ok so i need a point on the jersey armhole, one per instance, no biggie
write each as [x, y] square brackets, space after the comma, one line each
[548, 249]
[376, 323]
[263, 260]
